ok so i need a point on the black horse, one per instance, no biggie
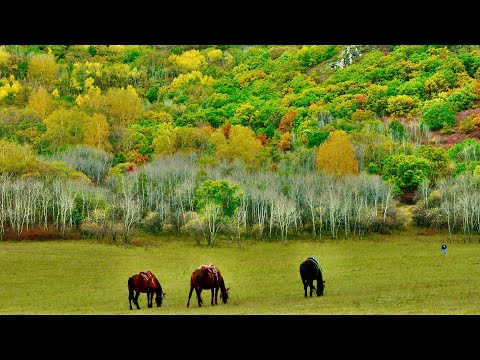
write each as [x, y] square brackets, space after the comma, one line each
[145, 282]
[310, 270]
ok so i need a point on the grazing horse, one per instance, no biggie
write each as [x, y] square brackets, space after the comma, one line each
[207, 277]
[145, 282]
[310, 270]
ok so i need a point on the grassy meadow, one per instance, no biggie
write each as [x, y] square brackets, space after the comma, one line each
[381, 275]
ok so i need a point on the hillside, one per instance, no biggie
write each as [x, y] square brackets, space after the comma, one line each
[141, 132]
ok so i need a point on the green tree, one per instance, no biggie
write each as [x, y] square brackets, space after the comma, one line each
[402, 105]
[438, 114]
[397, 130]
[406, 172]
[438, 157]
[216, 201]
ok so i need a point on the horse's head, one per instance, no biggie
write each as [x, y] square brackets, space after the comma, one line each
[321, 287]
[224, 296]
[159, 298]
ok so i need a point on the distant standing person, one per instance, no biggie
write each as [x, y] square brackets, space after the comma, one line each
[444, 248]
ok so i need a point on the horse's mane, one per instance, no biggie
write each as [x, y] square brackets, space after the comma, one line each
[314, 259]
[159, 287]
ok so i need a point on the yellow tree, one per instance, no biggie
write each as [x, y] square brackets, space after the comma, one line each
[285, 141]
[40, 101]
[164, 141]
[245, 114]
[5, 59]
[337, 155]
[42, 69]
[190, 138]
[9, 87]
[188, 61]
[97, 131]
[65, 127]
[92, 100]
[240, 144]
[16, 159]
[214, 55]
[123, 105]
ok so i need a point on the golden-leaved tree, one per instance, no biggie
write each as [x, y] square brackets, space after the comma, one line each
[164, 141]
[124, 105]
[5, 59]
[337, 155]
[187, 61]
[65, 127]
[42, 69]
[286, 123]
[41, 102]
[15, 159]
[238, 143]
[97, 131]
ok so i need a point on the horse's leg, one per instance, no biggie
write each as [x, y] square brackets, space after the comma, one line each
[199, 298]
[189, 296]
[135, 300]
[214, 293]
[130, 292]
[149, 301]
[311, 287]
[305, 286]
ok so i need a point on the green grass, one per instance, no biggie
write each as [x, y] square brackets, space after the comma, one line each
[385, 274]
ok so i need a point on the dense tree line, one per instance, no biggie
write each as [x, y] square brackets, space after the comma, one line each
[164, 197]
[283, 140]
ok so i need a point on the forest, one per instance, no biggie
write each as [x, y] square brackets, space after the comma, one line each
[244, 141]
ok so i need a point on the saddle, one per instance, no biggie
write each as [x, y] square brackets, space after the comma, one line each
[211, 269]
[150, 278]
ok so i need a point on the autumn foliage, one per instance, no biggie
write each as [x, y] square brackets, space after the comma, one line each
[337, 155]
[286, 124]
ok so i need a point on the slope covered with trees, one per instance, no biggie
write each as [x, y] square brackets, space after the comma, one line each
[246, 141]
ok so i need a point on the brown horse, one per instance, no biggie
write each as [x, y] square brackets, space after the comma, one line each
[145, 282]
[207, 277]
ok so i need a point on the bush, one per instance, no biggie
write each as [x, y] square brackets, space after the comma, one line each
[432, 217]
[463, 98]
[438, 114]
[152, 222]
[402, 105]
[466, 125]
